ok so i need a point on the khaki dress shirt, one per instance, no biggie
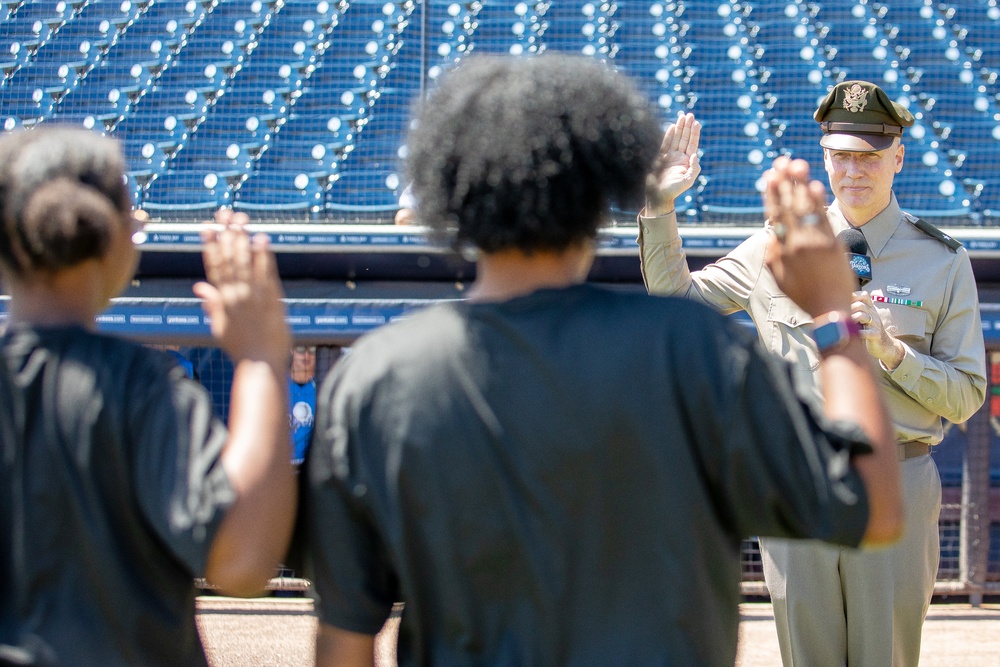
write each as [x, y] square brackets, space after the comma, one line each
[943, 373]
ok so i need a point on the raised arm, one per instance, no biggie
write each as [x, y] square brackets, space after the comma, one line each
[809, 266]
[726, 284]
[243, 298]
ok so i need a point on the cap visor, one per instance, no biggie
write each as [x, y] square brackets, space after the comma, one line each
[856, 142]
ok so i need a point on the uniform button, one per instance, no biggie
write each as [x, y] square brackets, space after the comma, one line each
[930, 400]
[645, 230]
[906, 377]
[791, 320]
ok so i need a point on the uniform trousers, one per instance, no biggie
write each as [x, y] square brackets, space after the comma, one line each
[838, 606]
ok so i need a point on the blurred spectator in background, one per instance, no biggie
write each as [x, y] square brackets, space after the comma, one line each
[407, 213]
[117, 486]
[302, 399]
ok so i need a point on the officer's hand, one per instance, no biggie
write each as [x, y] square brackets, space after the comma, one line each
[805, 257]
[676, 168]
[878, 338]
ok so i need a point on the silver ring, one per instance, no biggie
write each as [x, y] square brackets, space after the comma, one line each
[779, 231]
[809, 219]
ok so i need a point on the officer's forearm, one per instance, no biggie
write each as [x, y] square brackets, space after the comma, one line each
[852, 393]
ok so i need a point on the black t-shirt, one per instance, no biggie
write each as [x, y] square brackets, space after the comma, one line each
[562, 478]
[111, 492]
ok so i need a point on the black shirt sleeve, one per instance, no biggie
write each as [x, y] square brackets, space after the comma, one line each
[777, 467]
[347, 560]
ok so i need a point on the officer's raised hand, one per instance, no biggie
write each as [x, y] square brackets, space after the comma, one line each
[677, 166]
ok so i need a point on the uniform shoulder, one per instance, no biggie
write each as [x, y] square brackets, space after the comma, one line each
[933, 232]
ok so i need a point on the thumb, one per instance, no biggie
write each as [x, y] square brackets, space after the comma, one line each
[694, 165]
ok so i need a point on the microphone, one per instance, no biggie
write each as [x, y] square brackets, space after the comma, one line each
[857, 254]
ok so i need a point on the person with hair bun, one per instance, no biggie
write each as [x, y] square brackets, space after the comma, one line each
[118, 487]
[558, 473]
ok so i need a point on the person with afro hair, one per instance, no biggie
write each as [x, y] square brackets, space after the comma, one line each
[554, 472]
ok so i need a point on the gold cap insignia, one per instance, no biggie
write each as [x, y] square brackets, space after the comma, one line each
[855, 98]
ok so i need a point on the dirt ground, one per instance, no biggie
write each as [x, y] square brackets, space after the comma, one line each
[277, 632]
[955, 635]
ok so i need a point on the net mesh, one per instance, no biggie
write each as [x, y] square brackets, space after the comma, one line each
[214, 370]
[297, 110]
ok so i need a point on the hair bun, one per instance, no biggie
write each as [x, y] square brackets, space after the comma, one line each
[65, 223]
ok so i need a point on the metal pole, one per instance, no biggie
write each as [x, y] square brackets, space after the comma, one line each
[423, 51]
[974, 536]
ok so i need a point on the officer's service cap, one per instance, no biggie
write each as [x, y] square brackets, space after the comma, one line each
[859, 116]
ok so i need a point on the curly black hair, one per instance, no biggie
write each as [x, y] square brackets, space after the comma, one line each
[529, 152]
[62, 192]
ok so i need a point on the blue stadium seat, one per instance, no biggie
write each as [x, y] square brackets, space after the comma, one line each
[586, 29]
[732, 197]
[359, 190]
[502, 30]
[931, 193]
[988, 202]
[181, 194]
[283, 191]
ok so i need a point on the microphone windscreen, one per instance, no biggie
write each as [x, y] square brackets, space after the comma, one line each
[854, 241]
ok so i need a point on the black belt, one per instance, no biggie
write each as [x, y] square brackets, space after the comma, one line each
[913, 449]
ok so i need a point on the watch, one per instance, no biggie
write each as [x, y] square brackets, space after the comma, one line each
[832, 331]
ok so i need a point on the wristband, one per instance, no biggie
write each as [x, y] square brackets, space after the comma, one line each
[832, 331]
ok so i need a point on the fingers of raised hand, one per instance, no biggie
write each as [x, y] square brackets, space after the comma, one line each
[776, 194]
[688, 131]
[793, 203]
[682, 136]
[669, 137]
[817, 193]
[265, 269]
[227, 249]
[694, 138]
[242, 259]
[211, 251]
[210, 301]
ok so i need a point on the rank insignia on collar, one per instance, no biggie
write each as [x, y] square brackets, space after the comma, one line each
[898, 290]
[855, 99]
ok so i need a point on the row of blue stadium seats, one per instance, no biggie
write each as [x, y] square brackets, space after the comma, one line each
[725, 197]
